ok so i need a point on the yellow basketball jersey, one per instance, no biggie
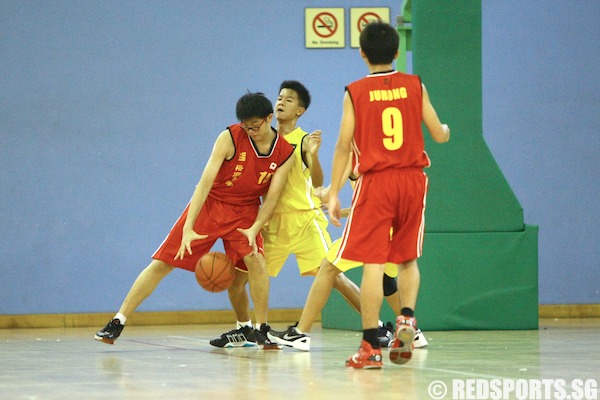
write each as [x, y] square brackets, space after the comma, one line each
[297, 195]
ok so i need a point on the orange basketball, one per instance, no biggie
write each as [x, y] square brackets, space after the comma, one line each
[215, 272]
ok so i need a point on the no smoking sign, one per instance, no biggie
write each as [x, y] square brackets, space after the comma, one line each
[361, 16]
[324, 27]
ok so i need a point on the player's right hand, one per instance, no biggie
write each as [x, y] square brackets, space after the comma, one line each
[334, 210]
[186, 243]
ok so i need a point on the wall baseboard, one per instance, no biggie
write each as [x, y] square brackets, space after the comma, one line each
[98, 320]
[569, 310]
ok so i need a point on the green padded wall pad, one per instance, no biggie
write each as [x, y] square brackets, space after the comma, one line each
[468, 281]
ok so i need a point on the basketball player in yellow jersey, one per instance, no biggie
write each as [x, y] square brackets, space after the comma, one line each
[298, 225]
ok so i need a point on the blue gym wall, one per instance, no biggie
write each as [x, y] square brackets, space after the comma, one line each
[108, 111]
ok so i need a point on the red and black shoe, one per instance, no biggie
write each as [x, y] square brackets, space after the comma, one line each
[366, 357]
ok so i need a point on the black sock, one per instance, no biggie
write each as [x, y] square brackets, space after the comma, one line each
[370, 336]
[407, 312]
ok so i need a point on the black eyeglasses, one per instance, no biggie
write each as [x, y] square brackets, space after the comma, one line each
[253, 128]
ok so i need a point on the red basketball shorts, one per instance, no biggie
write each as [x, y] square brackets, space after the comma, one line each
[218, 220]
[387, 218]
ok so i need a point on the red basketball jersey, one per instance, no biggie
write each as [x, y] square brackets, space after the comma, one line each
[246, 177]
[388, 113]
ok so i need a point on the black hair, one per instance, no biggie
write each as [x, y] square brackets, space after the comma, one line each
[303, 94]
[379, 41]
[253, 105]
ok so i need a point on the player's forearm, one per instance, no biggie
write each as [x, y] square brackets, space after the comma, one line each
[270, 200]
[265, 212]
[196, 203]
[340, 161]
[316, 172]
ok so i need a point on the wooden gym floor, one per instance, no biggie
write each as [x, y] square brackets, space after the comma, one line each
[177, 362]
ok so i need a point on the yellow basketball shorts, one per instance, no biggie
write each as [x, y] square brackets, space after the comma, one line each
[344, 265]
[301, 233]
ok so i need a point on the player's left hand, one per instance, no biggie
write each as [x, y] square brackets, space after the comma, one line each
[251, 235]
[314, 142]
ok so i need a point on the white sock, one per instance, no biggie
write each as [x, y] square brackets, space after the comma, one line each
[121, 318]
[380, 324]
[240, 325]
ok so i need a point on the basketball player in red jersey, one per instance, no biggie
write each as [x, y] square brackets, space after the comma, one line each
[249, 160]
[381, 127]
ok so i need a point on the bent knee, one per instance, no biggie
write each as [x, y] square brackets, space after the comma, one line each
[160, 267]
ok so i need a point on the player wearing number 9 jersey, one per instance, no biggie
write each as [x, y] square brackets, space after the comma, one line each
[389, 156]
[381, 125]
[388, 112]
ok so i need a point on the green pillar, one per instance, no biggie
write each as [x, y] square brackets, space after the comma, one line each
[469, 192]
[479, 267]
[404, 28]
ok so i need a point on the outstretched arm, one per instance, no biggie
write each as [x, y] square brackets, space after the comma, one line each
[265, 213]
[341, 156]
[222, 149]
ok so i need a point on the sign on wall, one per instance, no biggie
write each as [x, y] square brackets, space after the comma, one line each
[324, 28]
[361, 16]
